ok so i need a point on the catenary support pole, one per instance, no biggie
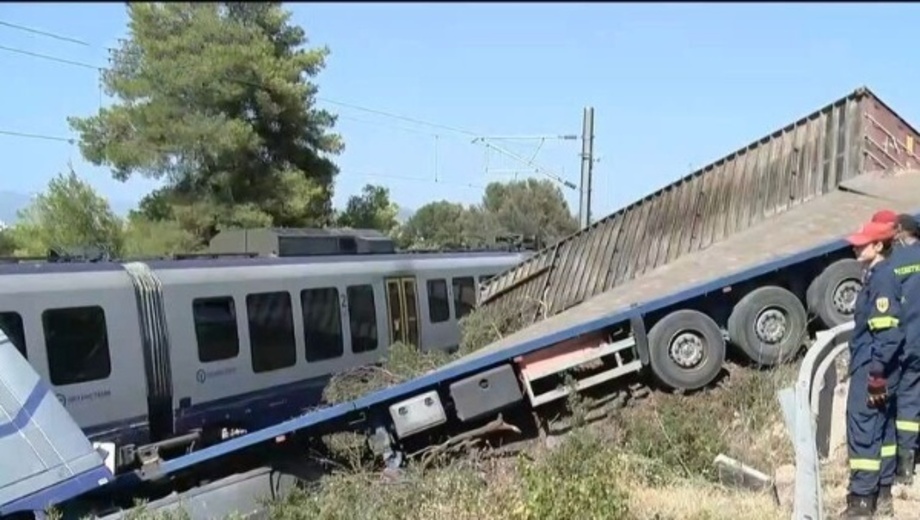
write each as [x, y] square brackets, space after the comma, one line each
[587, 166]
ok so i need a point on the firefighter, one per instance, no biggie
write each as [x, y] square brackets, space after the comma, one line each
[905, 261]
[875, 349]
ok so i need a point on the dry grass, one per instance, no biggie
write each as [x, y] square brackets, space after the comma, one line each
[648, 462]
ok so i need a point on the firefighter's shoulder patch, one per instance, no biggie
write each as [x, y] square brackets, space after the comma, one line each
[881, 304]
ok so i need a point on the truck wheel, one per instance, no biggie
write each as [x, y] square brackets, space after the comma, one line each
[832, 295]
[768, 324]
[686, 350]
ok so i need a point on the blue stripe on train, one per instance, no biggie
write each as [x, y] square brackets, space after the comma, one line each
[251, 411]
[26, 411]
[254, 410]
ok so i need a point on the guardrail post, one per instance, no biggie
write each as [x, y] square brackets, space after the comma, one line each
[805, 407]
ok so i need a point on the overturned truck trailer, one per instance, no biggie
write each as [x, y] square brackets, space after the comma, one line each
[788, 174]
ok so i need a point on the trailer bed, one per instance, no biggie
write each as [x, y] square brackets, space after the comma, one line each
[813, 223]
[807, 160]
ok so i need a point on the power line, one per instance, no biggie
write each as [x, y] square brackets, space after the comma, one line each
[326, 100]
[36, 136]
[46, 137]
[414, 179]
[387, 125]
[44, 33]
[51, 58]
[477, 137]
[397, 116]
[262, 86]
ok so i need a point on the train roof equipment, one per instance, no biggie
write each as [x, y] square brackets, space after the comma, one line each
[302, 242]
[782, 202]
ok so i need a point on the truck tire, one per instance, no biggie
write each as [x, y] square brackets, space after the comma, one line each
[768, 325]
[686, 350]
[832, 295]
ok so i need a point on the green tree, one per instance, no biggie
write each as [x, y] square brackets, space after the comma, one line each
[7, 243]
[372, 209]
[151, 238]
[216, 99]
[530, 207]
[69, 215]
[435, 225]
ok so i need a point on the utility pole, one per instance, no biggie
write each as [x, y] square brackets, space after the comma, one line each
[587, 166]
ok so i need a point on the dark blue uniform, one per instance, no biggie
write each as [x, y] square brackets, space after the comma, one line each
[875, 348]
[905, 260]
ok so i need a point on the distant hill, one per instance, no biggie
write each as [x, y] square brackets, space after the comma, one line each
[404, 214]
[12, 201]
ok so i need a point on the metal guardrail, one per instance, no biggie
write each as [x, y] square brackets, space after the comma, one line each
[808, 410]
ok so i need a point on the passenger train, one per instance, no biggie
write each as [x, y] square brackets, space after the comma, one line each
[147, 353]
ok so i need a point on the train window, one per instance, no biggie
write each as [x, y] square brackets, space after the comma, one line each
[271, 331]
[322, 323]
[438, 305]
[215, 328]
[11, 323]
[464, 296]
[362, 318]
[78, 345]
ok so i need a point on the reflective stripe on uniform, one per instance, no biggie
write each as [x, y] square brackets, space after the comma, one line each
[889, 450]
[907, 426]
[883, 322]
[865, 464]
[907, 269]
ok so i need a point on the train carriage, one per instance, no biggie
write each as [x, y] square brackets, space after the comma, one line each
[153, 352]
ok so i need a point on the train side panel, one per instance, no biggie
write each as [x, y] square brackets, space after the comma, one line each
[80, 331]
[254, 346]
[448, 292]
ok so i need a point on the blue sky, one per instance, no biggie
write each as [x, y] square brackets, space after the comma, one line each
[674, 87]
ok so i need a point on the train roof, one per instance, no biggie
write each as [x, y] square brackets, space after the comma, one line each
[205, 262]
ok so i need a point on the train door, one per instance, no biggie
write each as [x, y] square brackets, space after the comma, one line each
[402, 310]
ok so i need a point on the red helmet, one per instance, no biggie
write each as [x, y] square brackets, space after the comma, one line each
[872, 232]
[885, 216]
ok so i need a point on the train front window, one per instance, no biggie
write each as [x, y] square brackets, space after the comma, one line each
[362, 317]
[438, 304]
[271, 331]
[215, 328]
[464, 296]
[78, 345]
[322, 323]
[11, 323]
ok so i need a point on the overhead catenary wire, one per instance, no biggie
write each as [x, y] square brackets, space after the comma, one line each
[354, 106]
[40, 32]
[37, 136]
[51, 58]
[260, 85]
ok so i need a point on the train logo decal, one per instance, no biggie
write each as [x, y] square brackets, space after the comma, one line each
[62, 399]
[203, 375]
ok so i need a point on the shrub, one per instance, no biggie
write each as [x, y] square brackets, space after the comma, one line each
[580, 479]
